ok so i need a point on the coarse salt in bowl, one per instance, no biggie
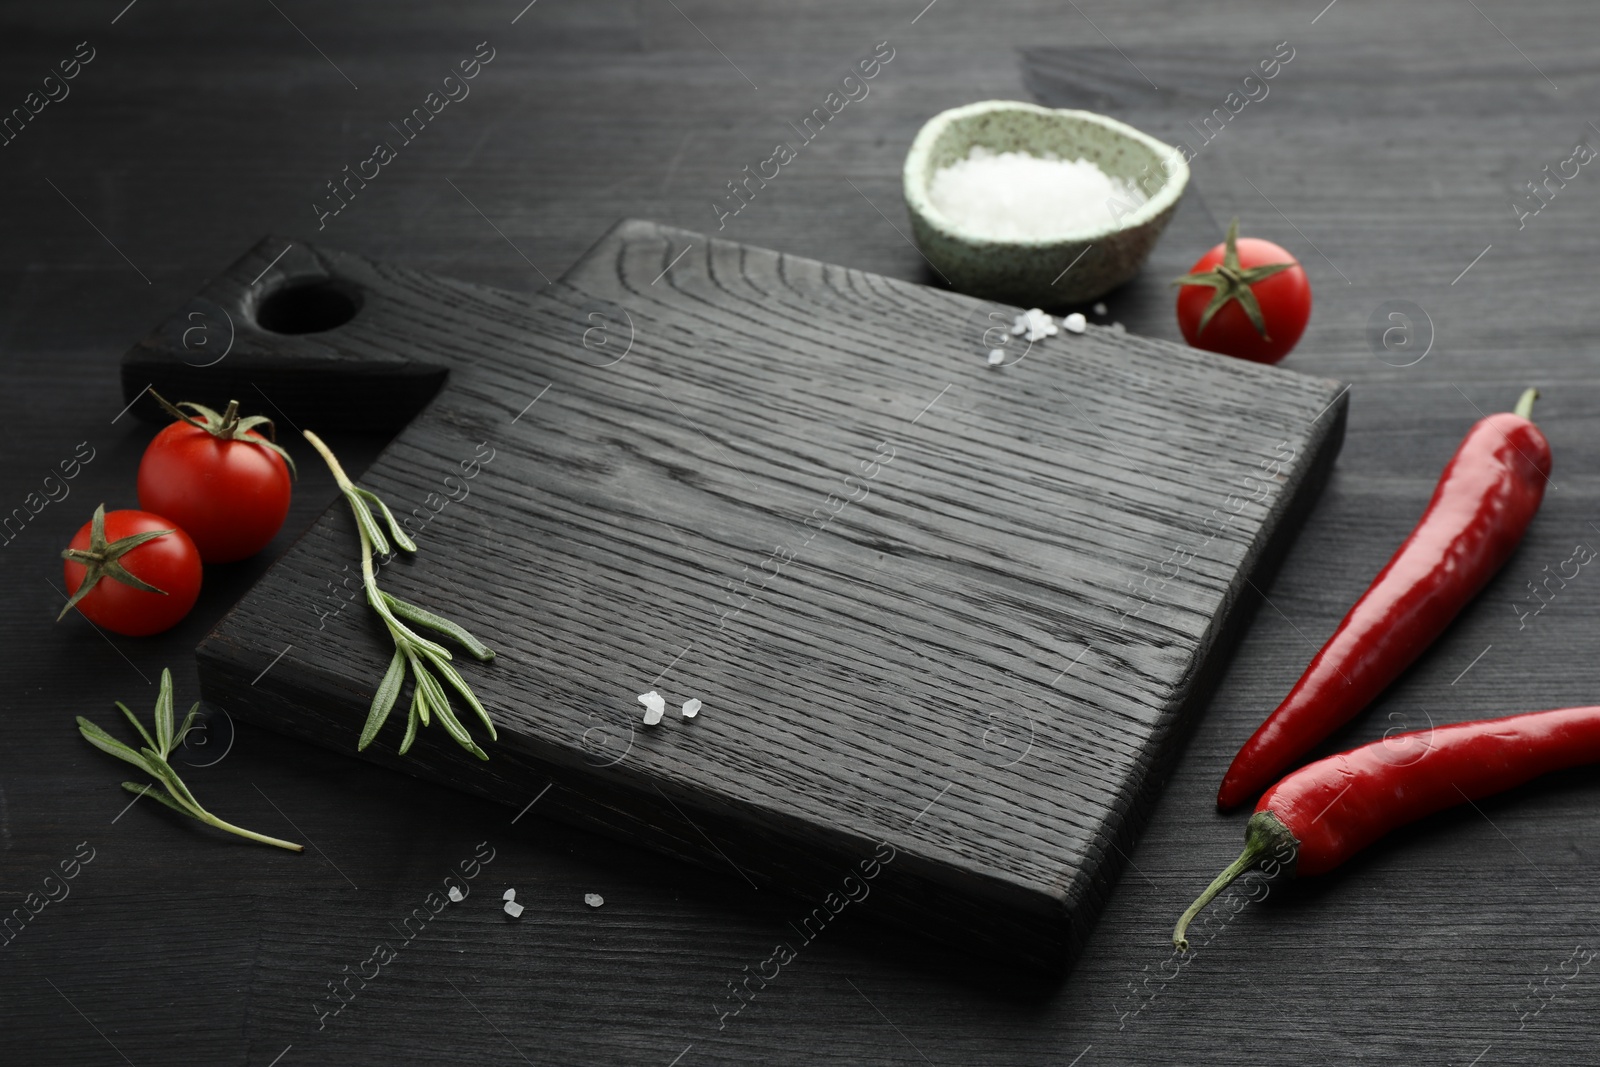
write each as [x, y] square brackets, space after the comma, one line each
[1021, 196]
[1037, 206]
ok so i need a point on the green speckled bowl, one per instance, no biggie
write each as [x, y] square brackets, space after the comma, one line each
[1035, 272]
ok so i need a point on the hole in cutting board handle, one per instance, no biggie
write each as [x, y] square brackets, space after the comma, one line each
[298, 307]
[314, 328]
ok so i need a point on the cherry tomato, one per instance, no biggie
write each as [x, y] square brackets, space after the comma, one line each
[1257, 295]
[107, 551]
[218, 479]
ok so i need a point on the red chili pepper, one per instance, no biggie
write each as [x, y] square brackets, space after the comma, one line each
[1485, 499]
[1327, 811]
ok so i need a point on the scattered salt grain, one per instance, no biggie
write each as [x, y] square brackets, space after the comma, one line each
[1117, 327]
[512, 908]
[594, 900]
[455, 895]
[1075, 322]
[654, 707]
[692, 707]
[1035, 324]
[996, 356]
[1101, 309]
[1019, 196]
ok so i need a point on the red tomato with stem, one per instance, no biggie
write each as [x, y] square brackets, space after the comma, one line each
[131, 572]
[221, 481]
[1247, 298]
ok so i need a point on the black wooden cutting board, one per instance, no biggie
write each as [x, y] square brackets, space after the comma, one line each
[947, 619]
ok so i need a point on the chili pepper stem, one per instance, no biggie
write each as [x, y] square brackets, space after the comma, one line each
[1265, 835]
[1525, 403]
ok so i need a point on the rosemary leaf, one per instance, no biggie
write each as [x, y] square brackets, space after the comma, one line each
[370, 530]
[419, 701]
[459, 684]
[169, 778]
[137, 725]
[435, 695]
[153, 793]
[383, 700]
[408, 638]
[411, 727]
[183, 731]
[395, 529]
[440, 702]
[163, 716]
[448, 720]
[111, 746]
[423, 617]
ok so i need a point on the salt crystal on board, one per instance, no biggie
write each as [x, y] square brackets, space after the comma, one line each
[594, 900]
[1075, 322]
[995, 356]
[1038, 324]
[692, 707]
[1020, 196]
[654, 707]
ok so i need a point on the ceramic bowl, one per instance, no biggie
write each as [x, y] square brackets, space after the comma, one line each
[1058, 270]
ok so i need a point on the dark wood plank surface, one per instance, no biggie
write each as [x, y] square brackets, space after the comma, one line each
[1387, 155]
[900, 587]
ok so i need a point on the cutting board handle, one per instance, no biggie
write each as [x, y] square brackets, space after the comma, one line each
[292, 327]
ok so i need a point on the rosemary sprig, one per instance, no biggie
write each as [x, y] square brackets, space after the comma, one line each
[152, 759]
[413, 653]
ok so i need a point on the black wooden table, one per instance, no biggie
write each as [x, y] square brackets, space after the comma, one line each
[1390, 152]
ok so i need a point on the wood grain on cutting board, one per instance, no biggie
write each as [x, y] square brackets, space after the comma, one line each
[956, 609]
